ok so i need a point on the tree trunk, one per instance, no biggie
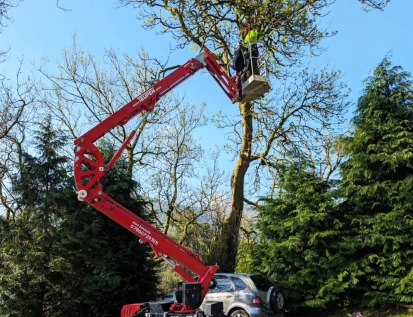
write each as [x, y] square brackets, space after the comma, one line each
[225, 251]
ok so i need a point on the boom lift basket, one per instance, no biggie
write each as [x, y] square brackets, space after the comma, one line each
[256, 85]
[254, 80]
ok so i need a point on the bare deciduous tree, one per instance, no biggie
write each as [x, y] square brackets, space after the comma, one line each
[167, 179]
[84, 93]
[288, 30]
[5, 19]
[15, 100]
[164, 155]
[202, 218]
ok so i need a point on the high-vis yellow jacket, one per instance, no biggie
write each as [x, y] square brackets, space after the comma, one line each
[251, 38]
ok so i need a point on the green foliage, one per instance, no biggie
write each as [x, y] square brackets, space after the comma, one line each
[60, 257]
[360, 251]
[245, 257]
[32, 264]
[378, 184]
[287, 28]
[301, 247]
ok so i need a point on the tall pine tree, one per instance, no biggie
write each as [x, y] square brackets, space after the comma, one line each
[32, 264]
[60, 257]
[378, 183]
[301, 246]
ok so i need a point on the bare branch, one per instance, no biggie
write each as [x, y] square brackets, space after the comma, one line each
[374, 4]
[57, 4]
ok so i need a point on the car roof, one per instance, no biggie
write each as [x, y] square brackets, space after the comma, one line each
[237, 274]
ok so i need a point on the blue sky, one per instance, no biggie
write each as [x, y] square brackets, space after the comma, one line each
[364, 39]
[41, 29]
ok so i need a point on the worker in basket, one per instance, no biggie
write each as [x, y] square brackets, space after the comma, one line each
[245, 60]
[246, 49]
[251, 50]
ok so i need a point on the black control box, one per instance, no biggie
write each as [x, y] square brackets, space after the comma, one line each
[191, 294]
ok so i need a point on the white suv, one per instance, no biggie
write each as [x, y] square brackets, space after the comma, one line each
[246, 295]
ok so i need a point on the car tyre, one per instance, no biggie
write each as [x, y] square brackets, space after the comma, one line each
[239, 313]
[277, 300]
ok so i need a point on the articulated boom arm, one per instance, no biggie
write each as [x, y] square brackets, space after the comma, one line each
[146, 101]
[89, 168]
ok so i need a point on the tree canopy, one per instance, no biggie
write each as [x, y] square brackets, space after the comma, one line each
[287, 30]
[301, 240]
[377, 182]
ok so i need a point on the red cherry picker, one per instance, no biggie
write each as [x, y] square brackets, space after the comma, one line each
[89, 168]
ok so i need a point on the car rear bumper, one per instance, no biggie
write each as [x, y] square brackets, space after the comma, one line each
[259, 312]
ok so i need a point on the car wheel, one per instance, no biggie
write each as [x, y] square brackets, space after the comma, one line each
[276, 300]
[239, 313]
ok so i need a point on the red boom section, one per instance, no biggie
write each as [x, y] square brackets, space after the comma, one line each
[89, 168]
[147, 100]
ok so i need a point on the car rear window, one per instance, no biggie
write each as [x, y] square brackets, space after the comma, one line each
[261, 283]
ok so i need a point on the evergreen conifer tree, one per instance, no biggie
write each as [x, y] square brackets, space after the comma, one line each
[301, 245]
[378, 185]
[32, 263]
[60, 257]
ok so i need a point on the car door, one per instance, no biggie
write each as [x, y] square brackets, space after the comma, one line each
[222, 292]
[242, 295]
